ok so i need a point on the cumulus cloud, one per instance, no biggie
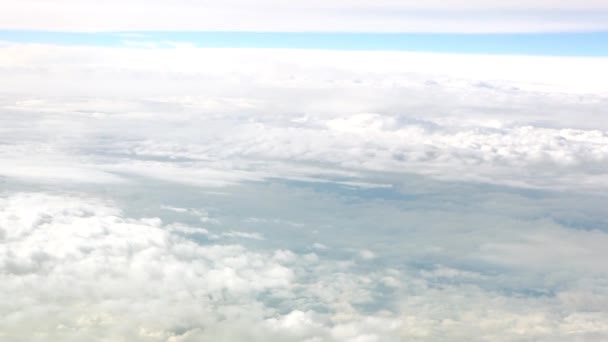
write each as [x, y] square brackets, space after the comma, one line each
[232, 116]
[76, 268]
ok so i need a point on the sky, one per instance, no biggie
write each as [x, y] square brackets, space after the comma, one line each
[308, 16]
[589, 44]
[318, 171]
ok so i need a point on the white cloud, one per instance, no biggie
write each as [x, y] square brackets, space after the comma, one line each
[76, 268]
[232, 116]
[553, 249]
[243, 235]
[290, 68]
[335, 15]
[366, 254]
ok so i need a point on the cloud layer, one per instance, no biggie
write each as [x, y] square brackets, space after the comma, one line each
[217, 117]
[77, 269]
[323, 16]
[192, 194]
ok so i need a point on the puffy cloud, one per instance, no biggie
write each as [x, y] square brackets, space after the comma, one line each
[76, 268]
[258, 115]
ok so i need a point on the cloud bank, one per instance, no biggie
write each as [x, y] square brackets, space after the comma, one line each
[213, 117]
[77, 269]
[299, 16]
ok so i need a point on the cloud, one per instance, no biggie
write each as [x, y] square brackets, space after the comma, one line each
[323, 16]
[266, 114]
[555, 248]
[291, 68]
[78, 268]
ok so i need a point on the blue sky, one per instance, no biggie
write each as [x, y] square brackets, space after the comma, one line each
[548, 44]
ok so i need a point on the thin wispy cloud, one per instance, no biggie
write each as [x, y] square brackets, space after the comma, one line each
[323, 16]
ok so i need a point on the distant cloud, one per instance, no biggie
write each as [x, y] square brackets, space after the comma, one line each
[316, 15]
[220, 117]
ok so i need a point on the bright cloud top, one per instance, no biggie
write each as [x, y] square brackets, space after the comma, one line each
[77, 269]
[222, 116]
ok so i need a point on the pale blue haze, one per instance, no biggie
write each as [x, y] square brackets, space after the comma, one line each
[545, 44]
